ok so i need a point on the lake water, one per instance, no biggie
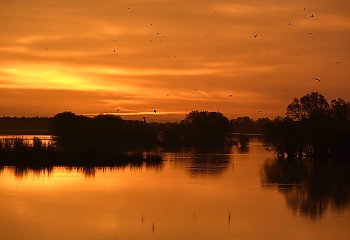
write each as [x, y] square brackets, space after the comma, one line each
[229, 194]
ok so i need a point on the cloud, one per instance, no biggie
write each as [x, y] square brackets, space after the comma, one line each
[180, 55]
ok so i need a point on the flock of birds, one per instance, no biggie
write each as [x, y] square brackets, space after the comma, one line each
[255, 35]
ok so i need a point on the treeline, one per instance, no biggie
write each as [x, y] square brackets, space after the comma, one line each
[108, 131]
[247, 125]
[30, 125]
[38, 125]
[312, 127]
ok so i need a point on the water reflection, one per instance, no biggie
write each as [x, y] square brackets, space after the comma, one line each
[244, 149]
[88, 171]
[310, 187]
[202, 161]
[209, 164]
[143, 202]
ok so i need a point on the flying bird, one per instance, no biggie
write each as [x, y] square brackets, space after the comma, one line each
[317, 79]
[255, 35]
[337, 62]
[230, 95]
[118, 110]
[155, 111]
[312, 15]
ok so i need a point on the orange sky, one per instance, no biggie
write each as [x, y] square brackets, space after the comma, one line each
[171, 55]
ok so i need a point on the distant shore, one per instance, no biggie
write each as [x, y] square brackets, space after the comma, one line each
[25, 132]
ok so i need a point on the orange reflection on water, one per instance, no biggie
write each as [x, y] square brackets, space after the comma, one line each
[193, 195]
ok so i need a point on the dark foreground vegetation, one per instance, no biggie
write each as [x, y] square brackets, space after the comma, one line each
[19, 152]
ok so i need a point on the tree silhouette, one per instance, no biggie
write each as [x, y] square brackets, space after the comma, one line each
[308, 106]
[312, 127]
[67, 124]
[206, 128]
[340, 109]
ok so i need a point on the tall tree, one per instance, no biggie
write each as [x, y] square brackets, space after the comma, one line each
[308, 106]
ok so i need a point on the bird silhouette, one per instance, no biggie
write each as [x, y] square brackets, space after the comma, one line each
[337, 62]
[155, 111]
[317, 79]
[255, 35]
[312, 15]
[230, 95]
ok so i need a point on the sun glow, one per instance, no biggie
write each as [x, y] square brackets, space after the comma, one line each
[47, 78]
[56, 77]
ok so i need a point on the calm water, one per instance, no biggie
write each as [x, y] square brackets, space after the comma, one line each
[232, 194]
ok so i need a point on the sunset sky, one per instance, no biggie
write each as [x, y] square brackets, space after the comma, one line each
[92, 57]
